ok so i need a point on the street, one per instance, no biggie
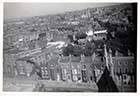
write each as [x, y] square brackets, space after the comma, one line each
[28, 85]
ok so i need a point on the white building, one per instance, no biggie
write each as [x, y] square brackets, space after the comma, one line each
[100, 35]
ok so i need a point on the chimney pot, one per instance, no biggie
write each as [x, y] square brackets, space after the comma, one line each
[82, 57]
[110, 51]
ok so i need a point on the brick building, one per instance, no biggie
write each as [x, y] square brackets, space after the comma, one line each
[122, 69]
[76, 69]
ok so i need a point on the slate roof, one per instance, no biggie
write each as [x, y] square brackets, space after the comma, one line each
[75, 59]
[87, 59]
[24, 58]
[64, 59]
[98, 63]
[15, 51]
[123, 58]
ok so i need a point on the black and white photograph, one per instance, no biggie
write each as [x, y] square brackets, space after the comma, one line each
[70, 47]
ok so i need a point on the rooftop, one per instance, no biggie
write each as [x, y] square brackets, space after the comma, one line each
[13, 51]
[53, 61]
[98, 60]
[123, 58]
[64, 59]
[87, 59]
[100, 32]
[75, 59]
[24, 58]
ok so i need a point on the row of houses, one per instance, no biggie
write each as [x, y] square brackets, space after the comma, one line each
[71, 68]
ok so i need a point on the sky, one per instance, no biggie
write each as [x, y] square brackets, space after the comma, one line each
[18, 10]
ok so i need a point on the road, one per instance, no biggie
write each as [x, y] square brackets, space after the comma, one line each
[21, 84]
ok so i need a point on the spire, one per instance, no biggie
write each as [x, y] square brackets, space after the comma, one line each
[110, 55]
[111, 63]
[106, 57]
[106, 82]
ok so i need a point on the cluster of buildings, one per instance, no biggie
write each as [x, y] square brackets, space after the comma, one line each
[80, 69]
[27, 51]
[55, 27]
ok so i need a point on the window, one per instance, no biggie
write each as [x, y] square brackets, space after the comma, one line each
[21, 70]
[78, 66]
[103, 38]
[84, 66]
[64, 74]
[57, 70]
[124, 76]
[125, 62]
[126, 70]
[119, 63]
[132, 62]
[44, 73]
[131, 78]
[115, 70]
[120, 70]
[128, 82]
[91, 78]
[8, 68]
[133, 70]
[125, 82]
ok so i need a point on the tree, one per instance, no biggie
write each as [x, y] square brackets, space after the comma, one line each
[68, 50]
[65, 51]
[77, 50]
[70, 37]
[89, 49]
[81, 36]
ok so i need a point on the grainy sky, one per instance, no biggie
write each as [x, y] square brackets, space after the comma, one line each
[17, 10]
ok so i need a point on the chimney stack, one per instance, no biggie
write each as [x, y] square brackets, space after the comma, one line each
[110, 55]
[93, 56]
[70, 58]
[129, 53]
[116, 53]
[82, 58]
[60, 57]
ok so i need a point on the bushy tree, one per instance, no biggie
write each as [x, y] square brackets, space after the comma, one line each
[77, 50]
[89, 49]
[65, 51]
[68, 50]
[70, 37]
[81, 36]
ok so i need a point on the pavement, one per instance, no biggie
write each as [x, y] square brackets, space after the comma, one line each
[29, 85]
[20, 84]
